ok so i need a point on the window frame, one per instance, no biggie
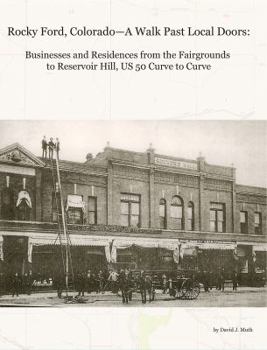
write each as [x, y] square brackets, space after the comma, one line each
[130, 203]
[174, 204]
[258, 228]
[10, 208]
[244, 224]
[23, 209]
[75, 209]
[217, 211]
[92, 211]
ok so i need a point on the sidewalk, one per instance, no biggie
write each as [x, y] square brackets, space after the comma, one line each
[51, 299]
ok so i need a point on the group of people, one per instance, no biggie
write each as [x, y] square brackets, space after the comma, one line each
[220, 279]
[20, 284]
[122, 283]
[51, 146]
[90, 282]
[127, 283]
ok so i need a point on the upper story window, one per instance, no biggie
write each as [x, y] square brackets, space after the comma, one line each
[217, 217]
[244, 222]
[75, 209]
[258, 223]
[130, 210]
[23, 211]
[177, 211]
[23, 205]
[92, 210]
[7, 204]
[190, 216]
[75, 216]
[162, 213]
[56, 206]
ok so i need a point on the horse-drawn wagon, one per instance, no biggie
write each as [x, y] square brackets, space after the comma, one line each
[184, 288]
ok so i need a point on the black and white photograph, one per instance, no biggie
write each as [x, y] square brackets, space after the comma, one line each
[133, 213]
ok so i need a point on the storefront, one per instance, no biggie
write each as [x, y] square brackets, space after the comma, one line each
[43, 254]
[198, 255]
[141, 258]
[145, 253]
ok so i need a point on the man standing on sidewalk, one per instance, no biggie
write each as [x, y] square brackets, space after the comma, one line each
[234, 279]
[123, 285]
[142, 286]
[16, 285]
[222, 280]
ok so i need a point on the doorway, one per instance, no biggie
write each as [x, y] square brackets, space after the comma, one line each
[15, 249]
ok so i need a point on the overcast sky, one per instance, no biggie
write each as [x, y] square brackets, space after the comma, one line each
[221, 142]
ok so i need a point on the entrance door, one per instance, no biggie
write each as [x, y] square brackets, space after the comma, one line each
[15, 250]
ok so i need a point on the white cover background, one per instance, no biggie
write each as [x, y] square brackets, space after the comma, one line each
[234, 89]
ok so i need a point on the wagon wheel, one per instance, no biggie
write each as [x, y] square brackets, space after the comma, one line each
[179, 294]
[195, 291]
[172, 292]
[184, 293]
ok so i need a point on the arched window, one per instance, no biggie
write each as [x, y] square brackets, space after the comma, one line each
[7, 207]
[24, 205]
[23, 211]
[190, 216]
[162, 213]
[177, 211]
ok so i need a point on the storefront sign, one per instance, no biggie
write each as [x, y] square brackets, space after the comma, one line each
[175, 163]
[209, 244]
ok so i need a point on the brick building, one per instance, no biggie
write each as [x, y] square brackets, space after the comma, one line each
[125, 208]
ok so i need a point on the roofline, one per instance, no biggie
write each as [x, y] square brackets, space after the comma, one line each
[24, 150]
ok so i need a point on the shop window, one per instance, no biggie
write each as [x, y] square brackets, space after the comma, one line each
[130, 210]
[92, 210]
[190, 216]
[217, 217]
[56, 206]
[257, 223]
[7, 204]
[162, 213]
[243, 222]
[177, 211]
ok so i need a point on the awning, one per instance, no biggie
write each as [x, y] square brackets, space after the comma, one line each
[75, 201]
[75, 240]
[123, 243]
[260, 248]
[24, 195]
[217, 246]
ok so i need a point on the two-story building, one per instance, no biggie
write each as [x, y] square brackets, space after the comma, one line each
[124, 208]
